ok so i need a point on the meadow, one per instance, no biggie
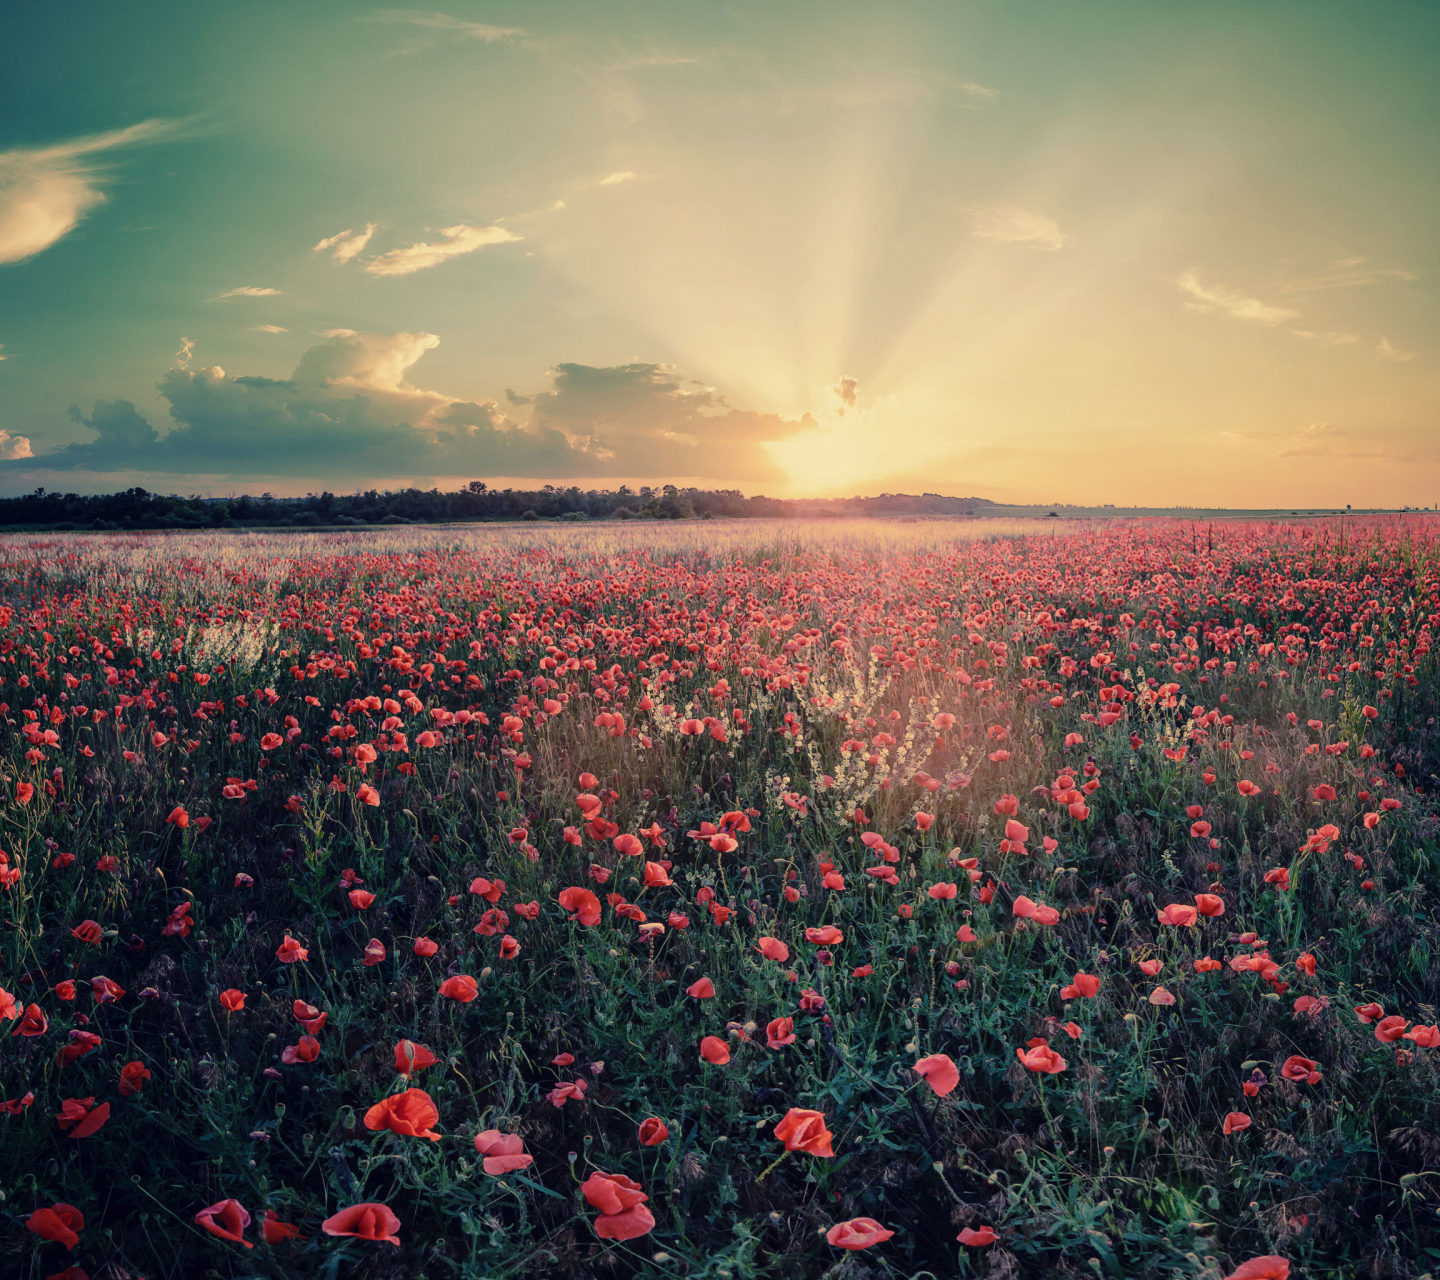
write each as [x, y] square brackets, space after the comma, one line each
[850, 899]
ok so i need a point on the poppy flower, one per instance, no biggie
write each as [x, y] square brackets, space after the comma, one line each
[361, 898]
[1179, 915]
[1161, 996]
[1369, 1012]
[623, 1215]
[369, 1221]
[306, 1050]
[584, 906]
[939, 1072]
[802, 1130]
[977, 1239]
[1040, 1057]
[1300, 1070]
[1424, 1037]
[88, 931]
[80, 1117]
[502, 1152]
[655, 876]
[653, 1132]
[410, 1114]
[425, 948]
[1390, 1029]
[411, 1057]
[941, 893]
[704, 989]
[1151, 967]
[59, 1224]
[1209, 904]
[277, 1232]
[291, 952]
[225, 1219]
[367, 794]
[857, 1233]
[715, 1050]
[565, 1090]
[461, 987]
[132, 1078]
[629, 845]
[779, 1033]
[825, 936]
[374, 952]
[1084, 986]
[33, 1022]
[1236, 1122]
[773, 949]
[1270, 1267]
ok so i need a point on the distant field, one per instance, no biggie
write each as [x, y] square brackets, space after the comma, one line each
[984, 897]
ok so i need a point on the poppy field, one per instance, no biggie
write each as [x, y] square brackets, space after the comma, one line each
[737, 900]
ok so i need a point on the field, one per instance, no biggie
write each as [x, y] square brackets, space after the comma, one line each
[864, 899]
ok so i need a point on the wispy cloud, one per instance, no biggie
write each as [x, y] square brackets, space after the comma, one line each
[3, 356]
[346, 244]
[615, 179]
[1346, 273]
[1229, 302]
[1388, 351]
[1331, 339]
[1327, 440]
[246, 291]
[45, 191]
[416, 257]
[268, 328]
[1011, 224]
[445, 22]
[978, 90]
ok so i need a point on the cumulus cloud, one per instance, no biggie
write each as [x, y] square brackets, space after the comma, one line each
[350, 411]
[1388, 351]
[458, 239]
[14, 446]
[848, 389]
[445, 22]
[1011, 224]
[346, 244]
[246, 291]
[268, 328]
[45, 191]
[1229, 302]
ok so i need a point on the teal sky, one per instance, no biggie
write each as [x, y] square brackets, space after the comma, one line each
[1105, 252]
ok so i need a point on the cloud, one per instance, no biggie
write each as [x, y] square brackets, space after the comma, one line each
[513, 398]
[848, 390]
[268, 328]
[350, 412]
[1346, 273]
[45, 191]
[347, 244]
[459, 239]
[1013, 225]
[1331, 339]
[978, 90]
[444, 22]
[14, 446]
[1326, 440]
[246, 291]
[182, 357]
[2, 347]
[615, 179]
[1212, 298]
[1390, 352]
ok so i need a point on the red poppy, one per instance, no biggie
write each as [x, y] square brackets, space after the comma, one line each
[425, 948]
[939, 1072]
[584, 906]
[291, 952]
[1236, 1122]
[88, 931]
[1178, 914]
[374, 952]
[33, 1022]
[509, 948]
[461, 987]
[857, 1233]
[802, 1130]
[653, 1132]
[825, 936]
[411, 1057]
[361, 898]
[715, 1050]
[306, 1050]
[779, 1033]
[1083, 986]
[772, 949]
[81, 1117]
[369, 1221]
[59, 1224]
[502, 1152]
[704, 989]
[1369, 1012]
[1390, 1029]
[977, 1239]
[225, 1219]
[1041, 1057]
[178, 817]
[277, 1232]
[411, 1114]
[1270, 1267]
[132, 1078]
[1300, 1070]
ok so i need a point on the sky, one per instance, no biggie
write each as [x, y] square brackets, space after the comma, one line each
[1139, 253]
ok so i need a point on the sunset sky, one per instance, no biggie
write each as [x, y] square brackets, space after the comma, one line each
[1139, 253]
